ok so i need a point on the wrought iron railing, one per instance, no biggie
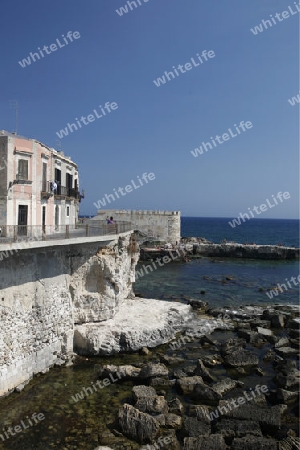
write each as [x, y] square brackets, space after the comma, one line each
[16, 233]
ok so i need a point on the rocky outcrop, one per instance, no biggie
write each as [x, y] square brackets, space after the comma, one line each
[235, 250]
[56, 287]
[138, 323]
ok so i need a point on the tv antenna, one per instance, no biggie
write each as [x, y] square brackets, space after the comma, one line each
[58, 145]
[15, 105]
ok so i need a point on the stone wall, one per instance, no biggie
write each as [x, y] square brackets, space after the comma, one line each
[45, 291]
[164, 225]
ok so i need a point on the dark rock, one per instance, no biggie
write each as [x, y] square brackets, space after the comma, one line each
[241, 358]
[193, 427]
[178, 373]
[287, 396]
[198, 304]
[161, 382]
[202, 371]
[173, 421]
[268, 418]
[276, 319]
[187, 384]
[212, 360]
[203, 392]
[151, 370]
[226, 385]
[202, 412]
[238, 428]
[212, 442]
[143, 391]
[253, 443]
[175, 406]
[137, 425]
[231, 345]
[152, 405]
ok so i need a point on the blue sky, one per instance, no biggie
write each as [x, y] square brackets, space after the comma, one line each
[154, 128]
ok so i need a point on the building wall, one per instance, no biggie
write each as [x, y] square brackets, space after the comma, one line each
[12, 194]
[164, 225]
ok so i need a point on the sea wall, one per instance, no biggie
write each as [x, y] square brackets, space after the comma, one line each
[45, 291]
[234, 250]
[164, 225]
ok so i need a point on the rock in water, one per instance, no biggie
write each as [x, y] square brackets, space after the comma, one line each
[139, 426]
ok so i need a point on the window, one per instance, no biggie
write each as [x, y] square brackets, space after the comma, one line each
[23, 169]
[68, 211]
[44, 180]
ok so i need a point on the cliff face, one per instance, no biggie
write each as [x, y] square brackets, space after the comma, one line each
[100, 284]
[44, 291]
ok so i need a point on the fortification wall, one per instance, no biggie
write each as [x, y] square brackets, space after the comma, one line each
[164, 225]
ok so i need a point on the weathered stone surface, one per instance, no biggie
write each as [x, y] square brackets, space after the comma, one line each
[143, 391]
[282, 342]
[202, 371]
[290, 443]
[152, 405]
[238, 428]
[151, 370]
[287, 396]
[212, 442]
[173, 421]
[175, 406]
[125, 371]
[138, 323]
[193, 427]
[270, 418]
[251, 443]
[202, 412]
[226, 385]
[139, 426]
[187, 384]
[241, 358]
[287, 351]
[203, 392]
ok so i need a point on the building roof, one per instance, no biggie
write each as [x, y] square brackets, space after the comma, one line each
[56, 153]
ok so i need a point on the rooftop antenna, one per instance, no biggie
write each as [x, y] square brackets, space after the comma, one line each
[58, 145]
[15, 105]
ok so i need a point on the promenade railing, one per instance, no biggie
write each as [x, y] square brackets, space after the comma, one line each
[17, 233]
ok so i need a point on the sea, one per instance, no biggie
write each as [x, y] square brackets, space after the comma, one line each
[228, 281]
[90, 422]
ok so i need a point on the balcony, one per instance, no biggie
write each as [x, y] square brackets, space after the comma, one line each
[63, 192]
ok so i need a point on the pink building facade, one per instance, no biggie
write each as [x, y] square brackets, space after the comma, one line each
[39, 186]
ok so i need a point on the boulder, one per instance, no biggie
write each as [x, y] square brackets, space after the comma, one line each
[204, 392]
[151, 370]
[212, 442]
[251, 443]
[238, 428]
[187, 384]
[139, 426]
[194, 428]
[240, 358]
[226, 385]
[202, 371]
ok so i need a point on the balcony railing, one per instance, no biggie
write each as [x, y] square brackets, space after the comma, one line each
[25, 233]
[63, 191]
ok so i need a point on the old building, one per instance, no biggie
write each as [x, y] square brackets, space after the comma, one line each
[39, 186]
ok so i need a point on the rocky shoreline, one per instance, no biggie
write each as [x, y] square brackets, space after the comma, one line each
[236, 388]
